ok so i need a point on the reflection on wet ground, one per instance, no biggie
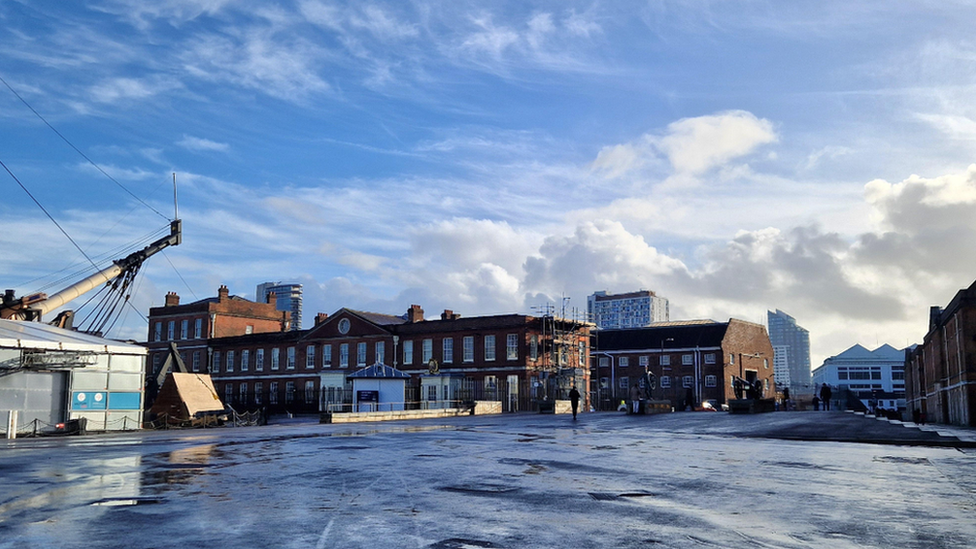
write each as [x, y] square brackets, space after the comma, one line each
[500, 481]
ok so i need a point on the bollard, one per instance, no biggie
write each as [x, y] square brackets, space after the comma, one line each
[12, 424]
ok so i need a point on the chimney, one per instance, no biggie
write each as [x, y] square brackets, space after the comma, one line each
[415, 314]
[273, 299]
[223, 293]
[172, 300]
[320, 318]
[449, 315]
[285, 320]
[935, 313]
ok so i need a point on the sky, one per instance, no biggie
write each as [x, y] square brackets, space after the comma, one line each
[492, 157]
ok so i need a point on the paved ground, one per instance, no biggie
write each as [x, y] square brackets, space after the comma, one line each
[607, 480]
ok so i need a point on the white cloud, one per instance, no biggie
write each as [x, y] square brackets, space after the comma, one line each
[200, 144]
[616, 160]
[121, 88]
[695, 145]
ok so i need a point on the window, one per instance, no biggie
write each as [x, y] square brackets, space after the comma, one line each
[448, 350]
[582, 353]
[624, 361]
[731, 358]
[275, 358]
[228, 393]
[259, 360]
[380, 351]
[665, 382]
[625, 383]
[428, 351]
[344, 355]
[215, 365]
[604, 362]
[468, 344]
[875, 375]
[686, 382]
[310, 357]
[158, 331]
[766, 363]
[245, 360]
[841, 375]
[534, 347]
[709, 358]
[687, 360]
[489, 347]
[408, 352]
[327, 355]
[230, 361]
[258, 389]
[290, 354]
[242, 393]
[198, 328]
[196, 361]
[361, 353]
[711, 381]
[184, 327]
[604, 382]
[665, 360]
[643, 361]
[511, 347]
[897, 374]
[289, 392]
[491, 382]
[157, 358]
[249, 329]
[432, 392]
[273, 393]
[309, 392]
[170, 329]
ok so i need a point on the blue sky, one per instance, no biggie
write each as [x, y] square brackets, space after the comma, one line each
[489, 157]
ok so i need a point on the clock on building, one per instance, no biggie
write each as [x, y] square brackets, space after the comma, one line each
[344, 326]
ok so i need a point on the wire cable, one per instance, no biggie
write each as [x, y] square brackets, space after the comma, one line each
[77, 150]
[65, 233]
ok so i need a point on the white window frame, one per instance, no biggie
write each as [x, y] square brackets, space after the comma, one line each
[290, 358]
[489, 348]
[687, 382]
[196, 361]
[273, 393]
[289, 392]
[230, 360]
[245, 360]
[198, 328]
[158, 332]
[215, 367]
[623, 362]
[361, 353]
[665, 382]
[511, 347]
[184, 328]
[327, 355]
[447, 350]
[711, 381]
[259, 360]
[665, 360]
[427, 351]
[309, 392]
[228, 393]
[468, 349]
[709, 358]
[687, 359]
[379, 351]
[275, 358]
[242, 392]
[344, 355]
[604, 362]
[624, 382]
[408, 352]
[309, 357]
[170, 330]
[258, 390]
[644, 361]
[534, 347]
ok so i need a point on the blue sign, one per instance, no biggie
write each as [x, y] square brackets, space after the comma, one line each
[124, 401]
[82, 400]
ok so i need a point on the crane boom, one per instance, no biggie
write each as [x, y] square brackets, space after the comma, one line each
[34, 306]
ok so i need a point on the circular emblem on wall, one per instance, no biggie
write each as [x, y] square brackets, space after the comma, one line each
[81, 397]
[432, 367]
[344, 326]
[98, 397]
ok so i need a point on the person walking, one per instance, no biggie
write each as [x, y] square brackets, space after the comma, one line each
[574, 398]
[786, 398]
[825, 394]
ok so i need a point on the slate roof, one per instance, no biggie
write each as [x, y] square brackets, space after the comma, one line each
[378, 371]
[668, 335]
[377, 318]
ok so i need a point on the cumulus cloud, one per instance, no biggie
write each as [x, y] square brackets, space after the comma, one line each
[693, 146]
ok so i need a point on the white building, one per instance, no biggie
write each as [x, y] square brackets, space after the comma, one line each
[289, 299]
[781, 366]
[630, 310]
[785, 332]
[876, 377]
[49, 376]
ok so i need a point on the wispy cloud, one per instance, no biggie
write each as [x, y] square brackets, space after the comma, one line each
[200, 144]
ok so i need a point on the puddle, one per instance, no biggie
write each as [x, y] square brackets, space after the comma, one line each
[124, 502]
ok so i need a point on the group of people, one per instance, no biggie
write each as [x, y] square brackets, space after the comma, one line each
[822, 397]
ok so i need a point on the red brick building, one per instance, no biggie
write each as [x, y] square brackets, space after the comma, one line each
[692, 361]
[516, 359]
[940, 374]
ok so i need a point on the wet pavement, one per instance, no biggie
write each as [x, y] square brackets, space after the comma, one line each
[802, 479]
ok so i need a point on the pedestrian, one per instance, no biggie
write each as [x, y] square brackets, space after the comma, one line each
[574, 397]
[635, 395]
[816, 403]
[786, 398]
[825, 394]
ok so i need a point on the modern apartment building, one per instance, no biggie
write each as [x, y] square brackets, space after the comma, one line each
[289, 299]
[876, 378]
[785, 332]
[629, 310]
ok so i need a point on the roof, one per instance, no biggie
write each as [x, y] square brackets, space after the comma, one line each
[376, 318]
[197, 393]
[378, 371]
[18, 334]
[670, 335]
[859, 352]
